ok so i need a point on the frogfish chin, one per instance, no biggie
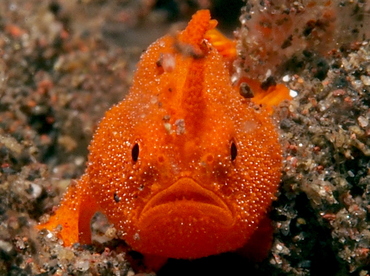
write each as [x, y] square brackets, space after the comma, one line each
[185, 220]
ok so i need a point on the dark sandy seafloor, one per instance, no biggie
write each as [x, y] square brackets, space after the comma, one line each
[64, 63]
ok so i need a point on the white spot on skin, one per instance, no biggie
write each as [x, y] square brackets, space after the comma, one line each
[136, 236]
[167, 127]
[248, 126]
[180, 126]
[168, 62]
[154, 100]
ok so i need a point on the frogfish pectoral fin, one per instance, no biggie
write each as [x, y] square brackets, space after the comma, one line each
[73, 215]
[268, 98]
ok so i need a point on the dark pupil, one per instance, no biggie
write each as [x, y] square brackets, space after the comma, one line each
[135, 152]
[116, 198]
[233, 151]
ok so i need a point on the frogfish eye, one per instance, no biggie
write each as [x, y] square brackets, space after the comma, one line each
[233, 151]
[135, 152]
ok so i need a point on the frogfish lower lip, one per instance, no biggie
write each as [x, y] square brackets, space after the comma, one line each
[186, 198]
[185, 220]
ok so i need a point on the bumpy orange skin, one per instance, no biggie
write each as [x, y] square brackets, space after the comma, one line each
[184, 167]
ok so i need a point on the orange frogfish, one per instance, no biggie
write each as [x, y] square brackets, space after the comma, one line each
[184, 166]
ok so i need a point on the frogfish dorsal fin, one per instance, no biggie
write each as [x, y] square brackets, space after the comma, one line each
[192, 45]
[195, 32]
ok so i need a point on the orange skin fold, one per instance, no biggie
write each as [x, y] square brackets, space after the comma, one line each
[184, 167]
